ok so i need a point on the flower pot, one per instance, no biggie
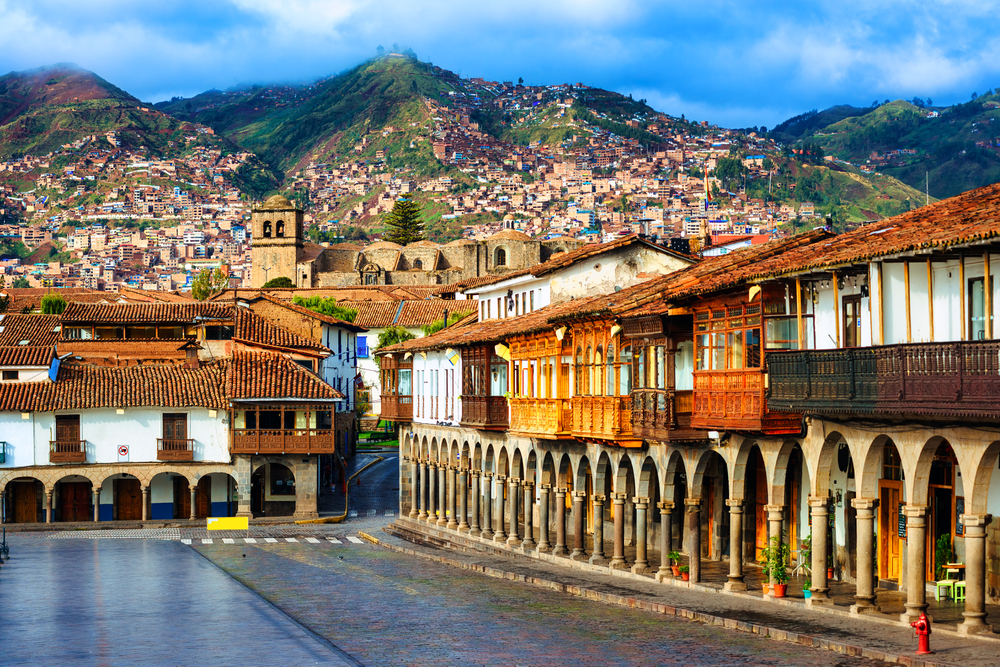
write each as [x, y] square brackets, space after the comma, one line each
[780, 590]
[766, 587]
[676, 569]
[807, 593]
[829, 573]
[685, 576]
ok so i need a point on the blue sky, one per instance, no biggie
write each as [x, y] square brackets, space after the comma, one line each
[733, 63]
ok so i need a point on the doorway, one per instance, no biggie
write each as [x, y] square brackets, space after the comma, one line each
[128, 499]
[889, 545]
[25, 501]
[182, 498]
[257, 492]
[74, 501]
[852, 320]
[203, 498]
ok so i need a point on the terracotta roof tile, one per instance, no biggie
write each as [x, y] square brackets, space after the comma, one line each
[422, 313]
[263, 375]
[145, 313]
[253, 329]
[35, 328]
[302, 310]
[26, 355]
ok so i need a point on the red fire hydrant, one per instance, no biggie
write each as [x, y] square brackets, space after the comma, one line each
[923, 628]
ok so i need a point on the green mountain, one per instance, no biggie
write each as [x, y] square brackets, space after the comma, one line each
[953, 149]
[43, 109]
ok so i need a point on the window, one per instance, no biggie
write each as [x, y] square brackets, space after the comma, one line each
[488, 309]
[589, 373]
[109, 333]
[175, 426]
[218, 332]
[280, 229]
[610, 371]
[78, 333]
[418, 265]
[67, 428]
[500, 257]
[531, 301]
[625, 371]
[140, 332]
[498, 376]
[267, 229]
[977, 308]
[10, 375]
[598, 371]
[405, 387]
[362, 346]
[305, 363]
[728, 338]
[282, 481]
[640, 365]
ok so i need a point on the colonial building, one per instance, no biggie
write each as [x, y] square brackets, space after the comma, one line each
[836, 394]
[172, 410]
[279, 249]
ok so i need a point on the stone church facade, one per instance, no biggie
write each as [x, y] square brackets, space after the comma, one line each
[278, 248]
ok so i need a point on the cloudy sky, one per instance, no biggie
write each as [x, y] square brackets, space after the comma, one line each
[735, 63]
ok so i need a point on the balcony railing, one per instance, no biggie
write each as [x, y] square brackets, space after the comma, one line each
[541, 417]
[733, 400]
[67, 451]
[283, 441]
[396, 408]
[664, 415]
[959, 379]
[174, 450]
[489, 413]
[603, 418]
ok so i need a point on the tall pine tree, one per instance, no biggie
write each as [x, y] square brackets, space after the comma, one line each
[405, 223]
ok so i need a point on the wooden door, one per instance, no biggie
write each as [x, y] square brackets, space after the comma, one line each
[710, 514]
[67, 428]
[128, 500]
[889, 544]
[74, 501]
[182, 498]
[203, 498]
[25, 502]
[852, 321]
[175, 426]
[761, 507]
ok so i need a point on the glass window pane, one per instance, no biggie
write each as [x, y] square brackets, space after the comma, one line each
[661, 367]
[405, 382]
[753, 348]
[625, 372]
[684, 366]
[735, 350]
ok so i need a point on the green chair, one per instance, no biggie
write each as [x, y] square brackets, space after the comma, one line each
[959, 589]
[946, 585]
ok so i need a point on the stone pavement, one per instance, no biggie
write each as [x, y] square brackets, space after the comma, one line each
[793, 620]
[386, 608]
[140, 602]
[378, 490]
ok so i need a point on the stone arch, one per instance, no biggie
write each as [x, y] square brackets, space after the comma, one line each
[276, 471]
[499, 257]
[24, 496]
[531, 468]
[477, 457]
[455, 454]
[625, 481]
[648, 480]
[582, 471]
[279, 229]
[466, 459]
[490, 461]
[517, 468]
[822, 465]
[866, 479]
[740, 467]
[267, 229]
[549, 471]
[418, 264]
[789, 453]
[564, 472]
[503, 463]
[918, 485]
[675, 476]
[977, 495]
[604, 474]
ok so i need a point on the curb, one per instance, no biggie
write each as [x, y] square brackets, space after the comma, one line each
[667, 610]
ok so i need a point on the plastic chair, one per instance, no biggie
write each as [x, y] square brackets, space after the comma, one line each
[959, 589]
[946, 585]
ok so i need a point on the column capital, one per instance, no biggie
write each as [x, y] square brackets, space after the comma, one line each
[488, 475]
[640, 501]
[734, 502]
[474, 472]
[693, 504]
[545, 487]
[579, 495]
[775, 508]
[665, 505]
[514, 480]
[818, 503]
[561, 490]
[864, 503]
[915, 511]
[528, 483]
[501, 478]
[598, 499]
[619, 498]
[976, 520]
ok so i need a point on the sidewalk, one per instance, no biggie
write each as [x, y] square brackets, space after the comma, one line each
[873, 636]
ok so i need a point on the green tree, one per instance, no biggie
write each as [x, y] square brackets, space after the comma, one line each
[209, 283]
[20, 283]
[437, 325]
[391, 336]
[53, 304]
[4, 298]
[404, 222]
[326, 306]
[283, 281]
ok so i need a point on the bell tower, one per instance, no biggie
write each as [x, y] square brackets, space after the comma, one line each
[277, 242]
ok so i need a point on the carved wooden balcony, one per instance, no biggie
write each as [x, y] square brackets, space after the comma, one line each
[604, 418]
[67, 451]
[548, 418]
[396, 408]
[489, 413]
[283, 441]
[664, 416]
[174, 450]
[940, 380]
[733, 400]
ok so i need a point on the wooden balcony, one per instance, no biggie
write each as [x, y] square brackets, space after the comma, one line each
[174, 450]
[939, 380]
[67, 451]
[396, 408]
[548, 418]
[605, 418]
[488, 413]
[664, 416]
[283, 441]
[733, 400]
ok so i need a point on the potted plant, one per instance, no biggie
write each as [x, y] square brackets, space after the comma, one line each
[765, 569]
[942, 555]
[780, 553]
[807, 589]
[829, 568]
[684, 573]
[675, 559]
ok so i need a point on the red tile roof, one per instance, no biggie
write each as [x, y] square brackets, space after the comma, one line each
[35, 328]
[145, 313]
[253, 329]
[422, 313]
[270, 375]
[302, 310]
[26, 355]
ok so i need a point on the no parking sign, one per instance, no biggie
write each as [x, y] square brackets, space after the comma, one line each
[122, 453]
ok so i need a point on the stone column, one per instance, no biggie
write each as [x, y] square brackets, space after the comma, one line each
[529, 520]
[560, 548]
[597, 556]
[442, 495]
[499, 535]
[244, 487]
[48, 507]
[735, 582]
[618, 560]
[453, 498]
[865, 595]
[463, 498]
[579, 498]
[432, 477]
[916, 536]
[97, 504]
[194, 501]
[693, 533]
[414, 489]
[775, 515]
[666, 534]
[641, 565]
[543, 518]
[975, 575]
[422, 515]
[487, 531]
[820, 510]
[145, 504]
[474, 528]
[512, 503]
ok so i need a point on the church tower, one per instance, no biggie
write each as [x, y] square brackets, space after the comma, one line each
[277, 241]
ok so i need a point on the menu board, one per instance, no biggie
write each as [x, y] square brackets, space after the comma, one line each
[902, 520]
[959, 511]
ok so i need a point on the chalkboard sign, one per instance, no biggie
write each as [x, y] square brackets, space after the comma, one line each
[959, 511]
[902, 519]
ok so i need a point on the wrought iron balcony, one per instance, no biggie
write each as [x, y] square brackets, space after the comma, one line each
[960, 379]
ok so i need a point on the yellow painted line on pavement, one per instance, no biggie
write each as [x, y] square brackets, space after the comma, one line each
[365, 536]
